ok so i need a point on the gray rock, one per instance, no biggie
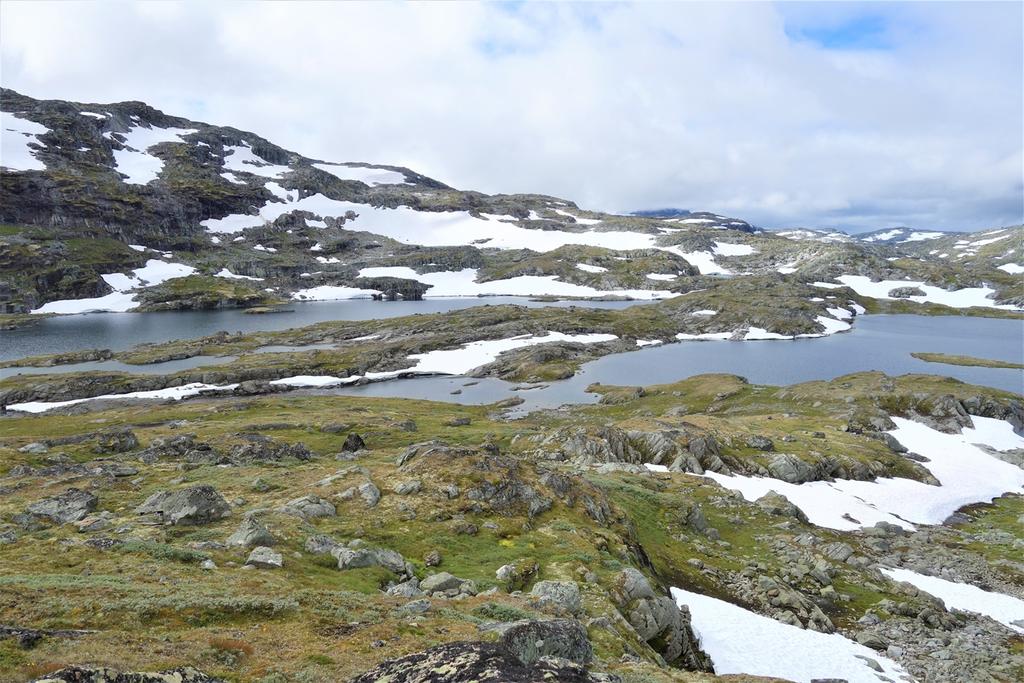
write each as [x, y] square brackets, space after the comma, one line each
[75, 674]
[872, 640]
[406, 589]
[319, 544]
[564, 595]
[309, 507]
[265, 558]
[359, 558]
[34, 448]
[116, 441]
[70, 506]
[370, 494]
[192, 505]
[790, 468]
[761, 443]
[251, 533]
[443, 582]
[775, 503]
[479, 662]
[407, 487]
[659, 621]
[563, 638]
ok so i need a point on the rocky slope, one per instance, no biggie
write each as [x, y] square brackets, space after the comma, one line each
[315, 538]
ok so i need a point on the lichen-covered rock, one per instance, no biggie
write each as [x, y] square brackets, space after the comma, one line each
[359, 558]
[75, 674]
[562, 595]
[309, 507]
[477, 662]
[251, 533]
[70, 506]
[562, 638]
[265, 558]
[116, 441]
[516, 575]
[447, 584]
[193, 505]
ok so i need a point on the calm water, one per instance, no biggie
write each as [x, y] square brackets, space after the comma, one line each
[118, 331]
[877, 342]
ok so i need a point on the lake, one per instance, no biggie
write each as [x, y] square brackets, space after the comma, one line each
[119, 331]
[876, 342]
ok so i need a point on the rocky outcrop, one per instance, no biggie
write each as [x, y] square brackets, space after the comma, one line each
[70, 506]
[193, 505]
[659, 622]
[75, 674]
[478, 662]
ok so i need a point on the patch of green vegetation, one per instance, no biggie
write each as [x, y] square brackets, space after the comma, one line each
[951, 359]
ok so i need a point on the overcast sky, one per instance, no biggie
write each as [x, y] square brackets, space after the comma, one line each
[856, 116]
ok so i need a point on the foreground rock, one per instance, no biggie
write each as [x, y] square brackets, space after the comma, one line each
[477, 662]
[74, 674]
[194, 505]
[70, 506]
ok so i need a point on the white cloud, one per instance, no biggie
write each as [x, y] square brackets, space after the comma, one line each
[723, 107]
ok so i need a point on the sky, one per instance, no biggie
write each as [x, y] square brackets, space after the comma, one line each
[831, 115]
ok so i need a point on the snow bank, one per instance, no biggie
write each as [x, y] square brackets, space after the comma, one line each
[17, 135]
[726, 249]
[225, 273]
[963, 596]
[333, 293]
[743, 642]
[1012, 268]
[703, 261]
[134, 162]
[243, 159]
[967, 475]
[369, 176]
[961, 298]
[121, 300]
[587, 268]
[460, 283]
[922, 236]
[172, 393]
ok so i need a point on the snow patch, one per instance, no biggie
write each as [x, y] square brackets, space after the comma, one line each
[225, 273]
[170, 393]
[17, 135]
[966, 472]
[368, 176]
[134, 162]
[121, 300]
[743, 642]
[586, 267]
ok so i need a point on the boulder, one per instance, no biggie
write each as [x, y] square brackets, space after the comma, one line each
[265, 558]
[446, 584]
[193, 505]
[790, 468]
[360, 558]
[76, 674]
[319, 544]
[775, 503]
[761, 443]
[516, 575]
[70, 506]
[563, 595]
[479, 662]
[353, 443]
[116, 441]
[251, 533]
[309, 507]
[562, 638]
[370, 494]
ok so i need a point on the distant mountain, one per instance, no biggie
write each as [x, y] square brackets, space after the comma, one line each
[661, 213]
[123, 207]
